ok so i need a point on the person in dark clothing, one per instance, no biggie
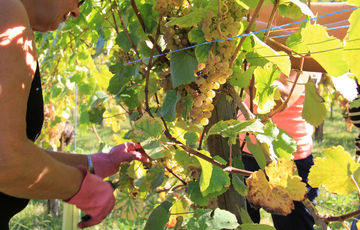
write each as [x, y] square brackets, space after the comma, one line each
[27, 171]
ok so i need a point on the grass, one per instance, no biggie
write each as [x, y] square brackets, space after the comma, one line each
[36, 216]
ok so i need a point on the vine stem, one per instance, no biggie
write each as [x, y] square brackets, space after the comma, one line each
[314, 212]
[126, 31]
[230, 155]
[171, 189]
[113, 17]
[141, 21]
[175, 175]
[272, 17]
[252, 21]
[96, 133]
[356, 184]
[239, 102]
[147, 74]
[287, 48]
[342, 217]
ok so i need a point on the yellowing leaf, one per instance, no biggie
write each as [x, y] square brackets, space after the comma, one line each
[147, 127]
[128, 207]
[280, 59]
[282, 174]
[351, 50]
[318, 41]
[277, 194]
[334, 171]
[179, 208]
[274, 200]
[314, 110]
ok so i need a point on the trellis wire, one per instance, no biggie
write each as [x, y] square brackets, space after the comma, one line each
[247, 34]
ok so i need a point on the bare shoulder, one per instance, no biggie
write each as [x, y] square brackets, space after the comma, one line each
[12, 12]
[16, 36]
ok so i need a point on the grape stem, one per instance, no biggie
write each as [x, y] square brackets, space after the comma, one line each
[171, 189]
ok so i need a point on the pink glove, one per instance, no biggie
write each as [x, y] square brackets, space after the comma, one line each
[108, 164]
[95, 198]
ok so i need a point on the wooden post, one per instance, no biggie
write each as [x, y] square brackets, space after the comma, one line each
[224, 110]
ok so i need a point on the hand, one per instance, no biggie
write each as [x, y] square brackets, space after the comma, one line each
[95, 198]
[108, 164]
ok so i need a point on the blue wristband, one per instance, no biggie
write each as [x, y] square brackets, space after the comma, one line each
[90, 165]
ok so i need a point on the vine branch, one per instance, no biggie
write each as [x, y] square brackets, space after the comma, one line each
[204, 157]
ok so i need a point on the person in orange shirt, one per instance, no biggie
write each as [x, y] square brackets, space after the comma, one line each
[290, 120]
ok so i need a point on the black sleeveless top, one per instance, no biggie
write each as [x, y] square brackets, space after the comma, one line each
[9, 205]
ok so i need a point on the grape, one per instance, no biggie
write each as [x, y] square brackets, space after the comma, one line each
[204, 121]
[215, 71]
[211, 93]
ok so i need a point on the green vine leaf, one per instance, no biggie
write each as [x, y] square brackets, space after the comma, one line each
[182, 66]
[128, 207]
[354, 2]
[207, 219]
[147, 127]
[159, 217]
[193, 189]
[192, 18]
[231, 128]
[295, 43]
[334, 171]
[213, 179]
[265, 87]
[313, 100]
[239, 185]
[242, 79]
[279, 142]
[303, 7]
[168, 109]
